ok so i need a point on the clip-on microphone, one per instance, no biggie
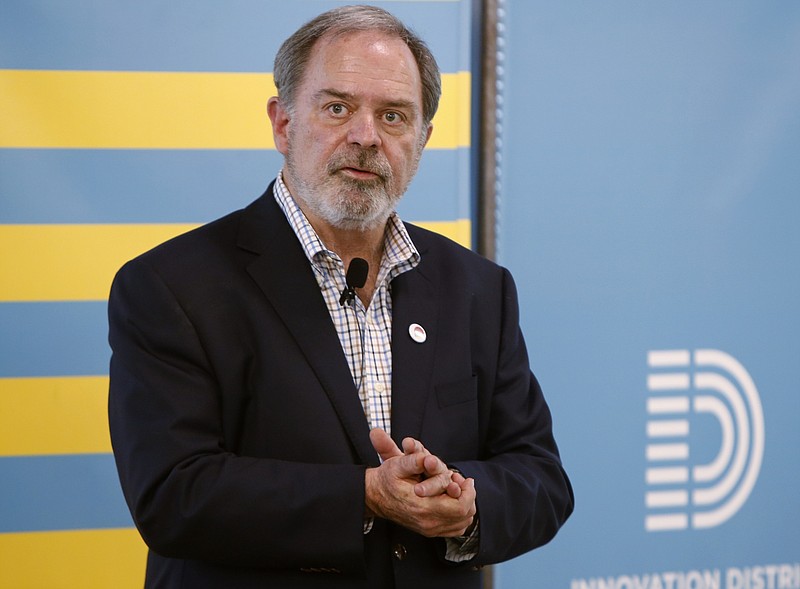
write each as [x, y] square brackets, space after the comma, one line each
[356, 277]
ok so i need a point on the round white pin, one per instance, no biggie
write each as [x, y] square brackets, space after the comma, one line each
[417, 333]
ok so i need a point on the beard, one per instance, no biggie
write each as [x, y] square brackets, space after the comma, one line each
[345, 202]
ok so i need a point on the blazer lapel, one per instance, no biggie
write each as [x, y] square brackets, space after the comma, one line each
[414, 302]
[283, 273]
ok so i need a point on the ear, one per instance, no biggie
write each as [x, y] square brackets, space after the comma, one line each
[428, 133]
[279, 117]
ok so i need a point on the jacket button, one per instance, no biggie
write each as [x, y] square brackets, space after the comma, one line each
[399, 551]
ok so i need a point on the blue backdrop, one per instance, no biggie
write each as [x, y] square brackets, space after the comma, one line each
[649, 212]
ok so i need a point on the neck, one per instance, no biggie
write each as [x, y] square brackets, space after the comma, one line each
[352, 243]
[349, 243]
[356, 244]
[367, 244]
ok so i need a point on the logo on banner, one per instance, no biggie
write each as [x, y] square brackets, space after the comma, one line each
[686, 388]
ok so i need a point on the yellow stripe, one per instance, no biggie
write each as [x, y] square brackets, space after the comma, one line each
[78, 262]
[85, 559]
[70, 262]
[451, 125]
[168, 110]
[53, 415]
[459, 231]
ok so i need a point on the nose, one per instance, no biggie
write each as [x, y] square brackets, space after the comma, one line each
[363, 130]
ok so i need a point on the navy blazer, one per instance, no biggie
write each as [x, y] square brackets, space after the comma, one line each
[238, 433]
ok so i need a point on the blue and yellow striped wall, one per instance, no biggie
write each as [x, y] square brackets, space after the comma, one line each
[122, 124]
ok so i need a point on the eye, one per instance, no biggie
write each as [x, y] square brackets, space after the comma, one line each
[337, 109]
[392, 117]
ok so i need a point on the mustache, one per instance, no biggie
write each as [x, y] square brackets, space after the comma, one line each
[367, 160]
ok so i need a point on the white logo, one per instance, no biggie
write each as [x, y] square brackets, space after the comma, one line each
[716, 385]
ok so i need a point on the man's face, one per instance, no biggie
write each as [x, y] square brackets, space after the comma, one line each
[354, 137]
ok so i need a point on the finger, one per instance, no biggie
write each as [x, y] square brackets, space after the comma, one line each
[411, 465]
[439, 515]
[469, 495]
[465, 492]
[454, 490]
[434, 466]
[468, 488]
[456, 530]
[452, 528]
[432, 487]
[447, 517]
[412, 446]
[458, 477]
[383, 443]
[467, 501]
[438, 485]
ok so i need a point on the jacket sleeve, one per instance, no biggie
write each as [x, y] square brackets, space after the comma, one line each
[523, 492]
[190, 496]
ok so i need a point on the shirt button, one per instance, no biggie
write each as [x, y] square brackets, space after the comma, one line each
[380, 387]
[399, 551]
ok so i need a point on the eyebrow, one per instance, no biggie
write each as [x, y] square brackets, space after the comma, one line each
[349, 97]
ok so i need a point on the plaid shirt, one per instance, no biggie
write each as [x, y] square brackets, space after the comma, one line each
[364, 332]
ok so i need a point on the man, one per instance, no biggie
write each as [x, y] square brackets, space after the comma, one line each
[278, 424]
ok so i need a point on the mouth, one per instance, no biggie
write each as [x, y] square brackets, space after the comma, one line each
[359, 173]
[360, 167]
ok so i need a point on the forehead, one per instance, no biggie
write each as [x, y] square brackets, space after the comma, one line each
[368, 64]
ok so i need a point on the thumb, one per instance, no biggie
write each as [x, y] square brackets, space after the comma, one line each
[384, 445]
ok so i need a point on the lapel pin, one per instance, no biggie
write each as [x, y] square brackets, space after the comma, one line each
[417, 333]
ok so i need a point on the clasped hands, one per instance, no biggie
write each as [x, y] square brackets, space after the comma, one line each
[415, 489]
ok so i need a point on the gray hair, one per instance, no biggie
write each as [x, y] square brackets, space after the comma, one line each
[293, 56]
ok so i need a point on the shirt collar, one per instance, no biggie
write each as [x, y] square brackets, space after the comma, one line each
[312, 244]
[399, 255]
